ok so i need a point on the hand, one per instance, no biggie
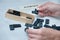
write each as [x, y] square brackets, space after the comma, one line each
[43, 34]
[49, 9]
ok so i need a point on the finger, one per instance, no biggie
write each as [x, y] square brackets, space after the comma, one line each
[33, 31]
[34, 36]
[41, 14]
[45, 13]
[45, 4]
[43, 38]
[32, 39]
[40, 38]
[43, 7]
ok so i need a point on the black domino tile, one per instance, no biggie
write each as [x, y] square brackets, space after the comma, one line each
[13, 26]
[36, 27]
[47, 26]
[28, 25]
[36, 22]
[14, 12]
[47, 21]
[35, 11]
[56, 27]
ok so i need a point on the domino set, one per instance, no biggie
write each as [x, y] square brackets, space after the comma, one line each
[19, 16]
[39, 24]
[28, 20]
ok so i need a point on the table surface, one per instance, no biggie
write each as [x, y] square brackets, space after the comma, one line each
[19, 33]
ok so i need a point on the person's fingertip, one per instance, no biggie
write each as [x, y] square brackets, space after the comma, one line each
[40, 8]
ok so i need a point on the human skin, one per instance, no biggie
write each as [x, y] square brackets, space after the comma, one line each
[43, 34]
[47, 9]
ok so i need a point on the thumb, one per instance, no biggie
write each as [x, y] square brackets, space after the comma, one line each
[43, 7]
